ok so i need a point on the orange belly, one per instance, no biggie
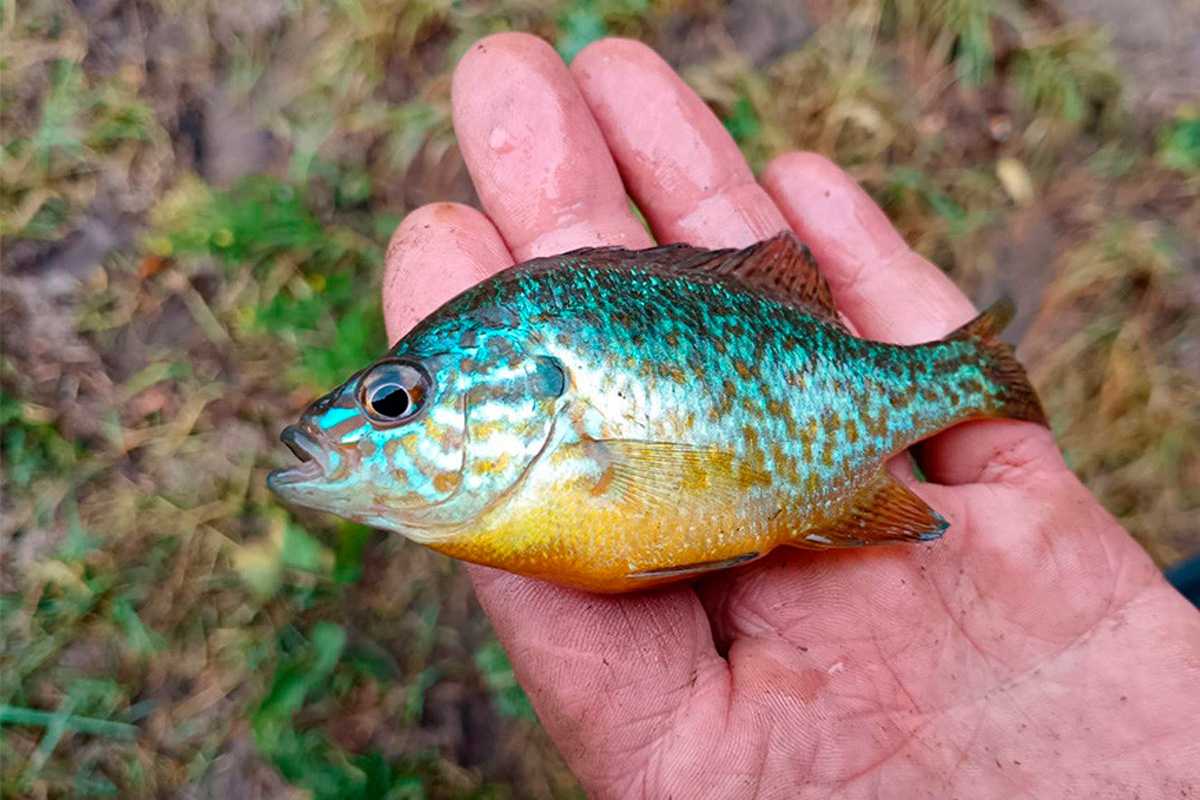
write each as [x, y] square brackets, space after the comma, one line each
[603, 543]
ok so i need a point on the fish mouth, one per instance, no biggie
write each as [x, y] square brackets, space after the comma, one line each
[314, 461]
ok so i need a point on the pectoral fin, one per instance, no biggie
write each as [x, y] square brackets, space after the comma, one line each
[661, 473]
[883, 512]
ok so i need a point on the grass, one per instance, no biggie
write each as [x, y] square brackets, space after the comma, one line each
[195, 203]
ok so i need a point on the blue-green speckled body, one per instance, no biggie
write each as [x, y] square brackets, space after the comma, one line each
[662, 356]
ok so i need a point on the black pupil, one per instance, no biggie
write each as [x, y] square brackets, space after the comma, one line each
[390, 400]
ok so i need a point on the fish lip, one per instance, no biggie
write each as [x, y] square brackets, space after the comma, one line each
[314, 460]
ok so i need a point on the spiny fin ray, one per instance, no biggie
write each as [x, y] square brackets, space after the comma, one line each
[784, 268]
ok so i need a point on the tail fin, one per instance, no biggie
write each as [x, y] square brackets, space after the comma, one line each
[1017, 399]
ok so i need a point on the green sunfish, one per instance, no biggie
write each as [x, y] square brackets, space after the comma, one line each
[612, 419]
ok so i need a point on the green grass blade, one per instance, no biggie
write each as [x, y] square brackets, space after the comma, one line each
[14, 715]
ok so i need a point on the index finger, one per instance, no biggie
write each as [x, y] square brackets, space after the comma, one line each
[536, 157]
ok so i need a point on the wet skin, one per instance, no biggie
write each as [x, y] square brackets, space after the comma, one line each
[1034, 652]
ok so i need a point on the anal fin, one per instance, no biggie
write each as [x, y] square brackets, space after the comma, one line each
[883, 512]
[694, 569]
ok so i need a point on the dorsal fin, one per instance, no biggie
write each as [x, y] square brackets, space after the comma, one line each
[782, 267]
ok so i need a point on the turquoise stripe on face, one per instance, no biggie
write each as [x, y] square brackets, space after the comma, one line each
[336, 416]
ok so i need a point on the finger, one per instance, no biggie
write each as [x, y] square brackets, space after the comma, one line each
[438, 251]
[892, 294]
[539, 163]
[679, 163]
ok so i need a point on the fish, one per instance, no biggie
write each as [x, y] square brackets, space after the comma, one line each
[612, 419]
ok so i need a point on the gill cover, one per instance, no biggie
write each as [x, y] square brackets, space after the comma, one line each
[509, 405]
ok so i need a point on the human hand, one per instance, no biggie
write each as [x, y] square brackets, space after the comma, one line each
[1033, 651]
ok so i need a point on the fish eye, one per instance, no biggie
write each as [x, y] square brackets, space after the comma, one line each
[393, 392]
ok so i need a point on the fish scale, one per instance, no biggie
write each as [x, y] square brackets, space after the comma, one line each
[618, 419]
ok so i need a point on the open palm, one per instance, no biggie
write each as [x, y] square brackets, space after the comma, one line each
[1034, 651]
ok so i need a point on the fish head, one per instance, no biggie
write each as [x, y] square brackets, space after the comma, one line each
[424, 443]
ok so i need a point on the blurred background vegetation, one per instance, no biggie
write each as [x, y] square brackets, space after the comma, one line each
[195, 201]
